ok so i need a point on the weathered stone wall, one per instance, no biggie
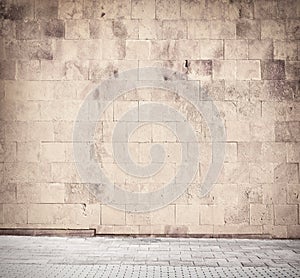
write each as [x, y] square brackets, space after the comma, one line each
[245, 54]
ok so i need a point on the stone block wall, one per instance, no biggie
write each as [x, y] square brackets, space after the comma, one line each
[244, 54]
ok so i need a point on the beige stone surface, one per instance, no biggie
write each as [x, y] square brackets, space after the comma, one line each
[240, 56]
[211, 215]
[286, 214]
[261, 214]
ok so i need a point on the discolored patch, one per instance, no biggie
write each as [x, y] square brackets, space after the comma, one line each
[248, 29]
[287, 131]
[273, 69]
[176, 230]
[12, 11]
[54, 28]
[7, 70]
[119, 29]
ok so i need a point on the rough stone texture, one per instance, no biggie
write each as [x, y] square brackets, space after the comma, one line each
[241, 55]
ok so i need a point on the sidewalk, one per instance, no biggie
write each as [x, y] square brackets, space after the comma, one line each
[147, 257]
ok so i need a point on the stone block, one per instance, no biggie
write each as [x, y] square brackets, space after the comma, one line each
[287, 172]
[293, 193]
[8, 192]
[77, 29]
[285, 50]
[261, 214]
[224, 69]
[150, 29]
[8, 151]
[274, 193]
[164, 216]
[28, 30]
[69, 9]
[274, 152]
[17, 10]
[248, 70]
[287, 131]
[237, 215]
[237, 130]
[167, 9]
[140, 219]
[64, 172]
[248, 109]
[237, 172]
[273, 69]
[28, 193]
[293, 152]
[211, 215]
[53, 70]
[108, 69]
[46, 9]
[137, 50]
[7, 70]
[143, 9]
[261, 173]
[236, 49]
[66, 215]
[222, 29]
[192, 9]
[238, 229]
[28, 151]
[125, 29]
[237, 90]
[262, 130]
[174, 29]
[292, 29]
[28, 70]
[31, 49]
[265, 9]
[52, 193]
[187, 214]
[261, 49]
[163, 50]
[272, 90]
[112, 216]
[198, 29]
[248, 29]
[101, 29]
[107, 9]
[78, 50]
[225, 194]
[113, 49]
[249, 151]
[187, 49]
[199, 69]
[76, 193]
[77, 70]
[250, 194]
[293, 70]
[215, 10]
[211, 49]
[286, 214]
[40, 131]
[293, 231]
[53, 152]
[63, 130]
[14, 214]
[275, 231]
[272, 29]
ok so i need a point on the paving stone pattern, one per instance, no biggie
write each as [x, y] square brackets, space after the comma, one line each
[147, 257]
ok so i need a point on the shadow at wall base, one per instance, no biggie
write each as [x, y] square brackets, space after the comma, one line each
[92, 233]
